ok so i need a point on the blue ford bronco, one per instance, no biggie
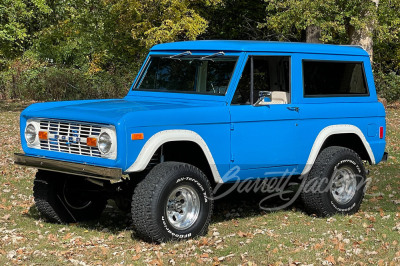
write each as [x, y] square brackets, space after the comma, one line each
[198, 109]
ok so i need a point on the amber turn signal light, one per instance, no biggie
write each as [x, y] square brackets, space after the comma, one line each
[43, 135]
[91, 142]
[137, 136]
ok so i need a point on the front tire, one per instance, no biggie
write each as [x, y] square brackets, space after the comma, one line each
[335, 184]
[173, 202]
[63, 198]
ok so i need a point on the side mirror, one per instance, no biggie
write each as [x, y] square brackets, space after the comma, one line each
[263, 97]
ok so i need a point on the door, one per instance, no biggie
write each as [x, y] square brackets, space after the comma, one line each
[264, 139]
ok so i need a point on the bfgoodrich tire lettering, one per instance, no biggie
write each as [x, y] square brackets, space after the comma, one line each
[335, 184]
[154, 197]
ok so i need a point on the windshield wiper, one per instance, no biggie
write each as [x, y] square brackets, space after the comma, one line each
[177, 56]
[209, 57]
[188, 53]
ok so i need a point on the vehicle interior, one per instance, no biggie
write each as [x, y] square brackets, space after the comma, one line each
[186, 74]
[270, 74]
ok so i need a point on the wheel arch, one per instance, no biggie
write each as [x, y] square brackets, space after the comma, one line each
[348, 140]
[182, 137]
[344, 135]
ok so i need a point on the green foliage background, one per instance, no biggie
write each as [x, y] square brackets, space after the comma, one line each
[54, 50]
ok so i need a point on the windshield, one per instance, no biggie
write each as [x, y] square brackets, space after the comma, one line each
[189, 74]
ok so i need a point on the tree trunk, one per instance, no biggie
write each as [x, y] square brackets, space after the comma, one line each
[313, 34]
[363, 37]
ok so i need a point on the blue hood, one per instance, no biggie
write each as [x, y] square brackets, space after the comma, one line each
[108, 111]
[150, 114]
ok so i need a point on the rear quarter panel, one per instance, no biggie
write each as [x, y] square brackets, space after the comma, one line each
[317, 113]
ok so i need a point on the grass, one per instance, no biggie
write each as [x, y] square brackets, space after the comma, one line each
[240, 232]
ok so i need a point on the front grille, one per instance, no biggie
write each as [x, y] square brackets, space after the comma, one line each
[69, 137]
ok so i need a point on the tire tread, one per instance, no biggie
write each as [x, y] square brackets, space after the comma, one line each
[313, 202]
[142, 209]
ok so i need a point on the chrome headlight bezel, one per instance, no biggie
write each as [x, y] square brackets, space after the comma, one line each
[30, 133]
[111, 153]
[104, 143]
[36, 141]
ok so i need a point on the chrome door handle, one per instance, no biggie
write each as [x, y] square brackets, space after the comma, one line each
[291, 108]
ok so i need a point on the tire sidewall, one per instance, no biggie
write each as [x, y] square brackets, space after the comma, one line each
[50, 191]
[92, 209]
[347, 160]
[201, 187]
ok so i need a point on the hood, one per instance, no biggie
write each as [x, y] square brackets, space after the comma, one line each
[103, 111]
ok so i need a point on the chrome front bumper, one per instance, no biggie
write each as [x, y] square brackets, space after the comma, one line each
[99, 172]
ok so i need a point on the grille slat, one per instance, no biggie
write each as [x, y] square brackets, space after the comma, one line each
[61, 132]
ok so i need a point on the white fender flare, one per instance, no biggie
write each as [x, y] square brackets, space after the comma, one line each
[334, 130]
[158, 139]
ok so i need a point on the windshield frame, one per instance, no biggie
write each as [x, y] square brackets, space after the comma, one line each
[185, 94]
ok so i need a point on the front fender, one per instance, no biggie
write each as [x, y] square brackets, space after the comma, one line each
[158, 139]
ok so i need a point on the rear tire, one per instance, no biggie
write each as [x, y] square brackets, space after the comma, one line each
[335, 184]
[173, 202]
[63, 198]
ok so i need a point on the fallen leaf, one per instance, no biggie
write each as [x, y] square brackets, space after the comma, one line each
[138, 249]
[330, 259]
[340, 247]
[241, 234]
[203, 241]
[67, 236]
[156, 262]
[52, 238]
[318, 246]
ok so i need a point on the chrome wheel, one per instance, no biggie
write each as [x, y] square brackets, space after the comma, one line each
[344, 185]
[183, 207]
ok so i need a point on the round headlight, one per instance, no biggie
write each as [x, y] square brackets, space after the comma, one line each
[104, 143]
[30, 133]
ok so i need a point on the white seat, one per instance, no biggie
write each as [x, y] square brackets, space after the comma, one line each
[278, 97]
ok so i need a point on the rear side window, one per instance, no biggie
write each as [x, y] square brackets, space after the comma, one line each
[324, 79]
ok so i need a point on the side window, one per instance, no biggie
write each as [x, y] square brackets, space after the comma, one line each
[324, 79]
[270, 73]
